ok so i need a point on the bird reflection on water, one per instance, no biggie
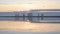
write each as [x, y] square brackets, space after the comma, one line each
[39, 18]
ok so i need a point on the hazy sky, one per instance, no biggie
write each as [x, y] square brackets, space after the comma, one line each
[18, 5]
[27, 1]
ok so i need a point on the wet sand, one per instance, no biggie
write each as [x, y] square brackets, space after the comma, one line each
[28, 26]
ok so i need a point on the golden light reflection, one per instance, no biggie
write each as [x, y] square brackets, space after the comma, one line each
[27, 26]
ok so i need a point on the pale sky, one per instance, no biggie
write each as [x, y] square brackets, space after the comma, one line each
[19, 5]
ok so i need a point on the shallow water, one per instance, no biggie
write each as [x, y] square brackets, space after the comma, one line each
[8, 25]
[26, 18]
[21, 32]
